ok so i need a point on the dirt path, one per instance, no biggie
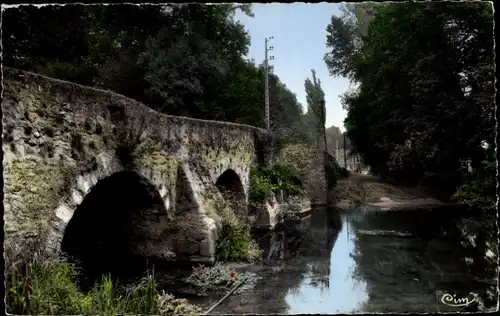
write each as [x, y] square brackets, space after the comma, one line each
[359, 189]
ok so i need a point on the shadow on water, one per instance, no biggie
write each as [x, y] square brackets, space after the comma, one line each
[363, 261]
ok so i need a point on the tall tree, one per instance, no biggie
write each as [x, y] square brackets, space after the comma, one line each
[285, 113]
[315, 97]
[421, 124]
[40, 39]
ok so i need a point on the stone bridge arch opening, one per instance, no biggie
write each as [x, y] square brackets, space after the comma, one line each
[230, 186]
[109, 227]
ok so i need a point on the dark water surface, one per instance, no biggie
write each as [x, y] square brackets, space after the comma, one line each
[363, 261]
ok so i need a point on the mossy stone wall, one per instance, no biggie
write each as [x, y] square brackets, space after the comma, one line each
[60, 138]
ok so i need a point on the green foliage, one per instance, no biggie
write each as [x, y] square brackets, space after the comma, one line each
[266, 181]
[179, 59]
[479, 190]
[261, 188]
[50, 288]
[419, 126]
[297, 156]
[285, 178]
[316, 106]
[216, 279]
[334, 171]
[234, 243]
[344, 37]
[287, 119]
[74, 72]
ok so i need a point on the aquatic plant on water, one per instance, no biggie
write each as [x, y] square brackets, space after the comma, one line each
[49, 287]
[218, 278]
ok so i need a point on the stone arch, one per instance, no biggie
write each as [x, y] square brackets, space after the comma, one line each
[107, 166]
[231, 187]
[116, 222]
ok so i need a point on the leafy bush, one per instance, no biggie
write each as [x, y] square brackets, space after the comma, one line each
[266, 181]
[298, 156]
[81, 73]
[286, 178]
[480, 189]
[334, 171]
[261, 187]
[235, 243]
[50, 288]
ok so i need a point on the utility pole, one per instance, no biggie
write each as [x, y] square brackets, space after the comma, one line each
[345, 156]
[266, 79]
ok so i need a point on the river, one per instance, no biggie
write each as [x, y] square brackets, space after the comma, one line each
[364, 260]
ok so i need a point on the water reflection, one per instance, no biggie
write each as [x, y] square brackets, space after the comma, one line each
[337, 290]
[409, 260]
[361, 261]
[296, 259]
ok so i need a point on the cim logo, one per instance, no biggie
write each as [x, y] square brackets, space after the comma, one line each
[457, 301]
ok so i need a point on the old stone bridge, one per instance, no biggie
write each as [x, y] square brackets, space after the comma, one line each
[87, 168]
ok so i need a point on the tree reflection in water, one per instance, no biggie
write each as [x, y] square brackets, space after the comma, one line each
[294, 259]
[406, 273]
[362, 261]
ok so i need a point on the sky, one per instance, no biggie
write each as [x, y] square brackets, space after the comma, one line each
[299, 31]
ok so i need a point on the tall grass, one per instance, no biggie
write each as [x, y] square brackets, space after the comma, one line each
[49, 288]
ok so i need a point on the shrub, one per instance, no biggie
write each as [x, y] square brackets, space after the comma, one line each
[292, 207]
[479, 189]
[261, 188]
[298, 156]
[169, 305]
[81, 73]
[286, 178]
[266, 181]
[334, 171]
[235, 243]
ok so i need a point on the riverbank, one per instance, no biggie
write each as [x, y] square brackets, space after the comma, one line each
[359, 189]
[44, 285]
[50, 286]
